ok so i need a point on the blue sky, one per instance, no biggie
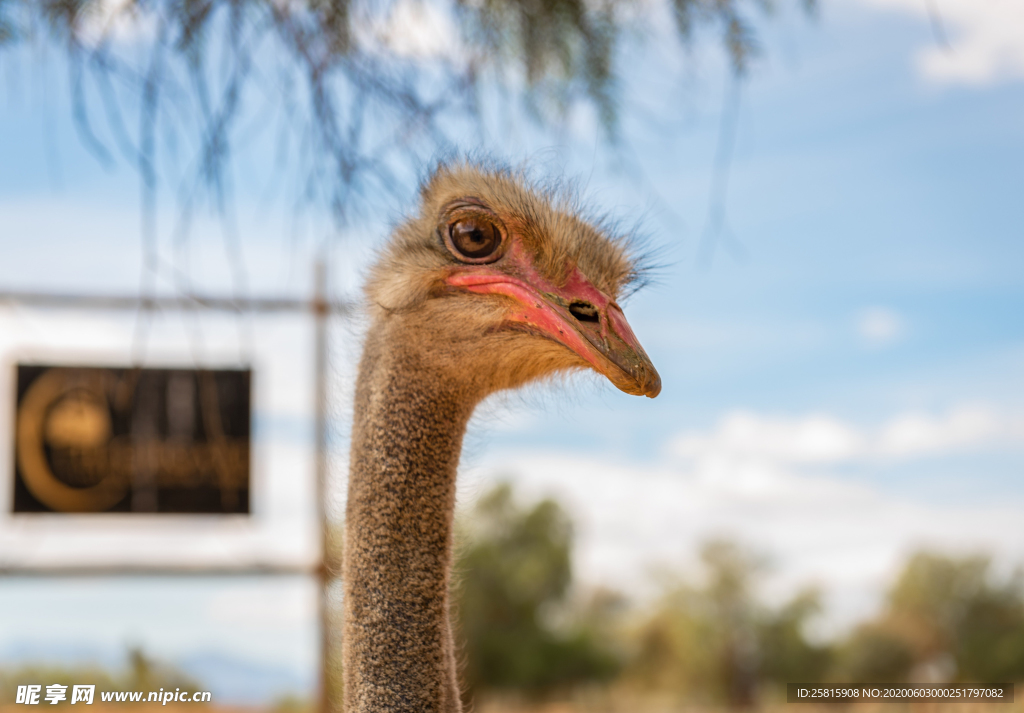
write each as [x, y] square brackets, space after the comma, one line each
[848, 387]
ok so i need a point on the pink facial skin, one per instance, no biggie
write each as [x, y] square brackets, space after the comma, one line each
[604, 340]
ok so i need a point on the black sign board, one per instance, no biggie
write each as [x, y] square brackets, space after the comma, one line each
[91, 439]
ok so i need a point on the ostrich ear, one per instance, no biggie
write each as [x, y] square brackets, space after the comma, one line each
[575, 314]
[404, 277]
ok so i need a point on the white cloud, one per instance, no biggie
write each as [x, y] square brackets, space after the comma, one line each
[915, 434]
[814, 439]
[879, 326]
[822, 439]
[986, 39]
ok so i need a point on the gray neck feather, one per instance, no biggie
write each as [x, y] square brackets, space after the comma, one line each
[407, 433]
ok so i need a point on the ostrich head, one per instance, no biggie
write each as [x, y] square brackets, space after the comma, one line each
[496, 283]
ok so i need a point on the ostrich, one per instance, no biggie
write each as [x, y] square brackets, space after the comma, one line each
[494, 284]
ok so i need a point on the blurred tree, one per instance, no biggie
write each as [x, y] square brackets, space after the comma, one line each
[716, 642]
[959, 608]
[786, 654]
[945, 618]
[678, 648]
[875, 653]
[514, 567]
[730, 590]
[359, 91]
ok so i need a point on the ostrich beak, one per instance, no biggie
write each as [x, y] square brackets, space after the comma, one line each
[576, 315]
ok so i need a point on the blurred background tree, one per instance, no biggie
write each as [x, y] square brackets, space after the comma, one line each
[716, 642]
[787, 653]
[710, 638]
[945, 619]
[525, 627]
[514, 576]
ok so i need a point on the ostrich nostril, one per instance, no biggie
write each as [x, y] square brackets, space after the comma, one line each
[584, 312]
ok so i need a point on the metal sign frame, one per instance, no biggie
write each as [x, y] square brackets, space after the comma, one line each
[320, 308]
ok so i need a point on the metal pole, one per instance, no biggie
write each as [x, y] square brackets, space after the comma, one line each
[210, 303]
[156, 570]
[321, 309]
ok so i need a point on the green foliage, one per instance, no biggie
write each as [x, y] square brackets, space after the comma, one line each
[943, 609]
[875, 653]
[715, 642]
[679, 648]
[514, 577]
[711, 642]
[786, 654]
[945, 618]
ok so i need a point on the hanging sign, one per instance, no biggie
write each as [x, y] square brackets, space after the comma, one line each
[93, 439]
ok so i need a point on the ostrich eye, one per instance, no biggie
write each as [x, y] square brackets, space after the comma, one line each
[475, 237]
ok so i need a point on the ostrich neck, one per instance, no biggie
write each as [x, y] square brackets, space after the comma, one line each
[406, 438]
